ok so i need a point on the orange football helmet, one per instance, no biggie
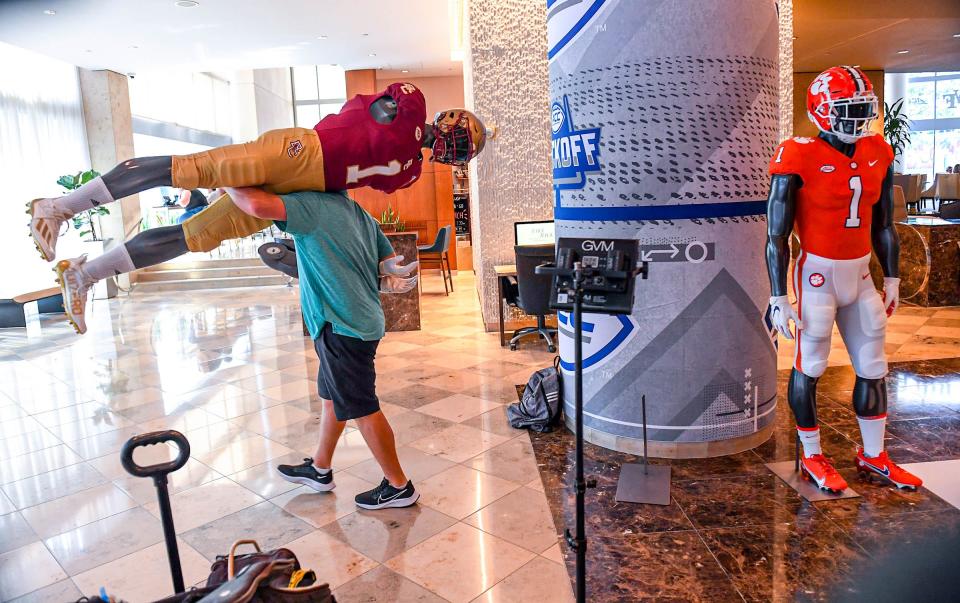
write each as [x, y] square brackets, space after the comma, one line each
[459, 136]
[841, 101]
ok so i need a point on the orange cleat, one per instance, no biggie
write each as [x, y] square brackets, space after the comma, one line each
[882, 465]
[819, 469]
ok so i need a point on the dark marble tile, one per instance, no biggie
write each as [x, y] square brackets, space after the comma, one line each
[938, 438]
[667, 566]
[789, 560]
[877, 500]
[755, 500]
[744, 463]
[901, 531]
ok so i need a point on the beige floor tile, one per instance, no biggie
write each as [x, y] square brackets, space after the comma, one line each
[35, 463]
[27, 569]
[191, 418]
[389, 348]
[512, 460]
[461, 491]
[194, 507]
[104, 540]
[320, 508]
[264, 480]
[145, 574]
[270, 419]
[417, 465]
[553, 553]
[28, 442]
[52, 484]
[5, 505]
[458, 407]
[386, 533]
[454, 360]
[385, 586]
[458, 442]
[536, 484]
[76, 510]
[242, 454]
[334, 562]
[456, 381]
[385, 364]
[64, 590]
[538, 580]
[521, 517]
[110, 466]
[494, 421]
[19, 425]
[458, 331]
[103, 444]
[291, 391]
[269, 525]
[15, 532]
[460, 563]
[189, 476]
[231, 408]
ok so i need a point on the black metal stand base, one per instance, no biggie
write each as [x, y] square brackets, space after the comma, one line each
[644, 484]
[786, 471]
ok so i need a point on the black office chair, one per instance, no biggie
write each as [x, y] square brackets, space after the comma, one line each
[950, 210]
[533, 292]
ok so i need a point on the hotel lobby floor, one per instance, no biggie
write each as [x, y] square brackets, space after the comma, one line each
[231, 369]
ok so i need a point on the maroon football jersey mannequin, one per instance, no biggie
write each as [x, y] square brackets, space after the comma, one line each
[360, 151]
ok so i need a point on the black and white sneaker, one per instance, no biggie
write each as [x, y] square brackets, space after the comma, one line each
[385, 495]
[305, 473]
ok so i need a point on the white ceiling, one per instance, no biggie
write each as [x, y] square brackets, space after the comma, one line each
[139, 35]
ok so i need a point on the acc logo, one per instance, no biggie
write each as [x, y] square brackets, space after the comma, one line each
[575, 152]
[295, 148]
[826, 169]
[816, 279]
[603, 335]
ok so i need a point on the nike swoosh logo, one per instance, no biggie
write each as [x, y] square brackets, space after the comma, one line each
[381, 499]
[872, 163]
[885, 471]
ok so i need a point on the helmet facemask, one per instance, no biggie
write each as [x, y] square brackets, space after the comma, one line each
[452, 142]
[849, 118]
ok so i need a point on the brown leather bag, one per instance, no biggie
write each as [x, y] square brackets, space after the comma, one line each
[226, 566]
[268, 577]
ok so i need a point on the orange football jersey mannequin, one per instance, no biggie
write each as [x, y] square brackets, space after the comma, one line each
[835, 192]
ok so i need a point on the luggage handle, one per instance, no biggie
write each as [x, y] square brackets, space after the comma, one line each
[149, 439]
[233, 552]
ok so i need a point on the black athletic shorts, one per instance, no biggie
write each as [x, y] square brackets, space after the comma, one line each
[347, 375]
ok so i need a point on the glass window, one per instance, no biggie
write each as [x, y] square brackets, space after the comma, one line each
[948, 96]
[305, 83]
[307, 116]
[920, 97]
[329, 108]
[918, 156]
[947, 149]
[332, 82]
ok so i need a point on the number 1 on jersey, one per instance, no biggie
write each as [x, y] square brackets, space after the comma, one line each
[355, 174]
[853, 220]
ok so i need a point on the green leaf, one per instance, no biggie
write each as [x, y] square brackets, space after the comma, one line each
[67, 181]
[87, 176]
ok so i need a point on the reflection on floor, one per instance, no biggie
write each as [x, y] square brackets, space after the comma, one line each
[232, 370]
[735, 530]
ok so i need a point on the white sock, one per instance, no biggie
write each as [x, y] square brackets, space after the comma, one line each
[810, 439]
[871, 431]
[89, 195]
[113, 262]
[322, 469]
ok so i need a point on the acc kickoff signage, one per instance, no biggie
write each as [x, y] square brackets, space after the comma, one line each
[575, 152]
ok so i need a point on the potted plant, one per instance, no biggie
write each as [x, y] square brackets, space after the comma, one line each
[87, 222]
[896, 127]
[389, 220]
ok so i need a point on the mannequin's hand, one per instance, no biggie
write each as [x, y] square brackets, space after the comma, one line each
[781, 313]
[891, 295]
[397, 284]
[392, 267]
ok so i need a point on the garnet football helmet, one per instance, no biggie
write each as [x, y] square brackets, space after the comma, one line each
[841, 101]
[459, 136]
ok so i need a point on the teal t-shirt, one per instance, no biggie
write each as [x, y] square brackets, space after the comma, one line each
[339, 248]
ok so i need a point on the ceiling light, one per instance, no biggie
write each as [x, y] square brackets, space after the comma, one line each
[321, 37]
[956, 35]
[373, 54]
[50, 12]
[364, 35]
[902, 51]
[186, 3]
[404, 71]
[134, 47]
[794, 37]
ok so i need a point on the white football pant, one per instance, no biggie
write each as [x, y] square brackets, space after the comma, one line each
[842, 291]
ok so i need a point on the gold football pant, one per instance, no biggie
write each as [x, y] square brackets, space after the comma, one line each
[280, 161]
[220, 222]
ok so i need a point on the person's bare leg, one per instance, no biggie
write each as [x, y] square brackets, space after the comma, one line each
[378, 435]
[330, 430]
